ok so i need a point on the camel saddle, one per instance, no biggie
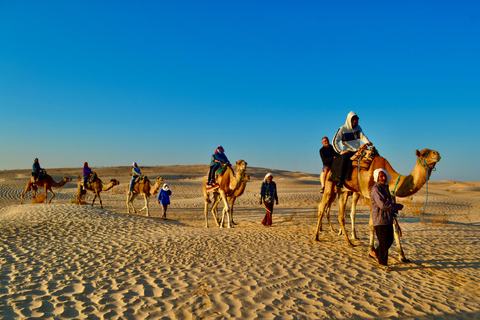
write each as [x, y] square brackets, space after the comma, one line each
[221, 170]
[141, 178]
[92, 177]
[363, 158]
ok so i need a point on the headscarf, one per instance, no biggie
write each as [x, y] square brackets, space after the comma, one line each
[268, 175]
[166, 187]
[134, 164]
[218, 149]
[85, 164]
[377, 172]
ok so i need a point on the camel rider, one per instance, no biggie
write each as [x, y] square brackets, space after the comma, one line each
[218, 158]
[346, 142]
[135, 174]
[36, 169]
[86, 174]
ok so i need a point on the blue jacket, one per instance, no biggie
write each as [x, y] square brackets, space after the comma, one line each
[220, 156]
[164, 196]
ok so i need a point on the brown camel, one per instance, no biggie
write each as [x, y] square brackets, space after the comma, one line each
[96, 187]
[47, 183]
[401, 186]
[230, 199]
[228, 184]
[144, 187]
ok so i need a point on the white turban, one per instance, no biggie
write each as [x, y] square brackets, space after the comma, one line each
[268, 175]
[377, 172]
[166, 187]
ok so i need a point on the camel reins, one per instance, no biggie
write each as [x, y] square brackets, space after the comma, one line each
[429, 171]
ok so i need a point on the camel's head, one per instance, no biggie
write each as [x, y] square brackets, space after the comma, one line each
[115, 182]
[429, 157]
[241, 165]
[158, 184]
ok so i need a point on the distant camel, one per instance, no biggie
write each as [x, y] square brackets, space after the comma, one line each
[96, 187]
[144, 187]
[47, 183]
[230, 199]
[228, 184]
[401, 186]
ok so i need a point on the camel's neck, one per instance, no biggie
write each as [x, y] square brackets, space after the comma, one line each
[405, 186]
[58, 184]
[235, 180]
[108, 186]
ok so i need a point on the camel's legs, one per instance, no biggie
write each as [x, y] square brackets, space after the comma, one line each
[396, 235]
[130, 197]
[231, 210]
[146, 204]
[325, 205]
[216, 201]
[46, 195]
[97, 194]
[206, 214]
[226, 209]
[353, 235]
[27, 189]
[343, 195]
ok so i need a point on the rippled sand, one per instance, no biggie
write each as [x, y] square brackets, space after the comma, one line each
[64, 260]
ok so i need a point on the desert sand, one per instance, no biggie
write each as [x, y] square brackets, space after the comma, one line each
[69, 261]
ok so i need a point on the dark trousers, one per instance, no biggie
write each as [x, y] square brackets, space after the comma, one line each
[267, 221]
[344, 165]
[385, 240]
[164, 207]
[211, 173]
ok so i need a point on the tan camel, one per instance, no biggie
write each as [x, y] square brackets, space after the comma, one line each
[47, 183]
[230, 199]
[144, 187]
[228, 184]
[96, 187]
[401, 186]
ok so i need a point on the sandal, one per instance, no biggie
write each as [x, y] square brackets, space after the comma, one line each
[385, 268]
[373, 255]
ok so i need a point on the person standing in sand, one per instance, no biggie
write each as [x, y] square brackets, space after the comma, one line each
[164, 199]
[383, 213]
[327, 153]
[268, 195]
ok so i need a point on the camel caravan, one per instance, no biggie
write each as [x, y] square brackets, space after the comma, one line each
[350, 168]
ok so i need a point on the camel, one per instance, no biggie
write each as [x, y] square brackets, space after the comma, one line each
[96, 187]
[144, 187]
[230, 199]
[47, 183]
[401, 186]
[228, 185]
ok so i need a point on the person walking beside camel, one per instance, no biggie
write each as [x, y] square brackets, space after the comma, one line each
[346, 142]
[164, 199]
[383, 213]
[268, 195]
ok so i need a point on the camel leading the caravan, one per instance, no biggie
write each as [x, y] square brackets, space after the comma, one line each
[96, 187]
[228, 183]
[400, 185]
[47, 183]
[144, 187]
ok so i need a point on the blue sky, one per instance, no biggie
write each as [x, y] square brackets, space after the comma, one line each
[165, 82]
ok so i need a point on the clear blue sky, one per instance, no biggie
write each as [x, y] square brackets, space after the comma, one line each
[165, 82]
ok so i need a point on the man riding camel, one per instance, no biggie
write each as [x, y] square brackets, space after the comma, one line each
[346, 142]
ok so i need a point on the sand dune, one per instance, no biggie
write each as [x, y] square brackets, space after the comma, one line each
[77, 261]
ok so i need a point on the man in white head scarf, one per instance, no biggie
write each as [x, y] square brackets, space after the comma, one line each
[383, 212]
[268, 194]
